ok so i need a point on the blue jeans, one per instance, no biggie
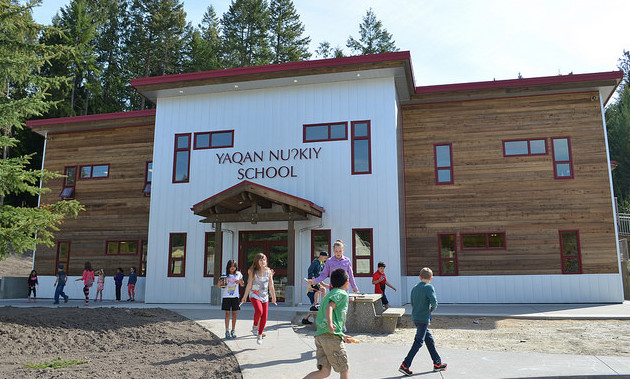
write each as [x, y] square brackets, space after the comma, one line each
[422, 335]
[59, 292]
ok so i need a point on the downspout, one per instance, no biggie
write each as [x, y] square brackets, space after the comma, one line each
[39, 197]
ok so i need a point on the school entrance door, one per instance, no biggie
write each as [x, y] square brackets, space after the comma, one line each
[274, 244]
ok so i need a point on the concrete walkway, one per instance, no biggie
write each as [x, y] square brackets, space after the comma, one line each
[285, 354]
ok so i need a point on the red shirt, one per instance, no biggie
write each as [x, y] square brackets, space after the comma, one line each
[380, 286]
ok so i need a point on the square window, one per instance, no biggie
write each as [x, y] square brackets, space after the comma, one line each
[86, 172]
[338, 131]
[538, 146]
[202, 140]
[100, 171]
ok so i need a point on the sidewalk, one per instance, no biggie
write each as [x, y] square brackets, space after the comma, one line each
[285, 354]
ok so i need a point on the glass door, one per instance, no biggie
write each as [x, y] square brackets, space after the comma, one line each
[274, 244]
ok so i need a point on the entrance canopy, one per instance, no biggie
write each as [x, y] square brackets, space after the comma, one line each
[242, 202]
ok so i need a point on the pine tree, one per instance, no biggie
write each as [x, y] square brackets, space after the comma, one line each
[23, 94]
[286, 29]
[205, 44]
[374, 38]
[245, 39]
[325, 51]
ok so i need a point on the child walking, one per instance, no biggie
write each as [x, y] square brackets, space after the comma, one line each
[380, 281]
[423, 302]
[60, 283]
[88, 280]
[331, 321]
[230, 283]
[335, 262]
[131, 284]
[118, 279]
[32, 283]
[259, 288]
[100, 284]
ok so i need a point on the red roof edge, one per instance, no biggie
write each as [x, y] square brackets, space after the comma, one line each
[573, 78]
[278, 67]
[88, 118]
[313, 205]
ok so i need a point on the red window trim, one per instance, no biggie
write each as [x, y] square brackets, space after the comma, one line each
[487, 234]
[450, 168]
[368, 138]
[91, 166]
[217, 255]
[529, 148]
[556, 163]
[176, 150]
[66, 263]
[315, 254]
[354, 255]
[441, 259]
[328, 124]
[210, 134]
[171, 259]
[138, 248]
[146, 189]
[579, 251]
[141, 250]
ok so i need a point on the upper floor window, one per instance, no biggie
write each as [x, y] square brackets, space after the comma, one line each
[94, 171]
[181, 159]
[69, 183]
[177, 255]
[361, 150]
[483, 241]
[443, 163]
[514, 148]
[362, 253]
[148, 177]
[570, 251]
[326, 132]
[562, 159]
[214, 140]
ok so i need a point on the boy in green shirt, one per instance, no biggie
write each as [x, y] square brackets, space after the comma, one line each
[329, 338]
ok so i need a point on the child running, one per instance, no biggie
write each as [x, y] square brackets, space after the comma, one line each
[423, 302]
[259, 288]
[380, 281]
[32, 283]
[88, 280]
[100, 284]
[230, 283]
[331, 320]
[335, 262]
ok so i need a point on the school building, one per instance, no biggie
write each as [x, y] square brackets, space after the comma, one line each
[503, 188]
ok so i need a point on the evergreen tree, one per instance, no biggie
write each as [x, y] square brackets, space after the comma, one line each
[245, 39]
[374, 38]
[23, 94]
[287, 43]
[325, 51]
[205, 44]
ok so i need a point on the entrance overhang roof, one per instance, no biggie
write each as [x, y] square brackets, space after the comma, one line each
[251, 202]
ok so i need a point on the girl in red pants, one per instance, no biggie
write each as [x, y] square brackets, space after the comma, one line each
[259, 288]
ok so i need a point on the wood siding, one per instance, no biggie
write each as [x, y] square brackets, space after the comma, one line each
[515, 195]
[116, 208]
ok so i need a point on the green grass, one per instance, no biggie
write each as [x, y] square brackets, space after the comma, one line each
[55, 364]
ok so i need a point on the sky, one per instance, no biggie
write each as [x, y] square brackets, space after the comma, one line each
[460, 41]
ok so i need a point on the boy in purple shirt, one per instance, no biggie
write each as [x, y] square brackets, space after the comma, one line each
[335, 262]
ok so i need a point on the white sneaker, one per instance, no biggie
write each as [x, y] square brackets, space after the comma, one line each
[259, 339]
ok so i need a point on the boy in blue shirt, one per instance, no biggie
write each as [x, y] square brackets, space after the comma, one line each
[423, 302]
[329, 338]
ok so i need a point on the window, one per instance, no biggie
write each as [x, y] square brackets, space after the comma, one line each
[326, 132]
[447, 254]
[361, 154]
[562, 159]
[523, 147]
[214, 140]
[69, 183]
[443, 163]
[63, 255]
[320, 241]
[181, 160]
[148, 177]
[124, 247]
[483, 241]
[177, 255]
[362, 252]
[94, 171]
[144, 244]
[209, 254]
[570, 251]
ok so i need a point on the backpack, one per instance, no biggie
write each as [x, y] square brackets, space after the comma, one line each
[90, 280]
